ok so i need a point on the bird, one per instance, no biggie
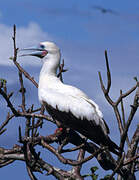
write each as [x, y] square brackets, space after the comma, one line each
[68, 105]
[104, 10]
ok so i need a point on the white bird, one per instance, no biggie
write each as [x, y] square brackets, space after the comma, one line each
[68, 105]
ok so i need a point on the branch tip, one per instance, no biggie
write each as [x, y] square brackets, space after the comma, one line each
[20, 135]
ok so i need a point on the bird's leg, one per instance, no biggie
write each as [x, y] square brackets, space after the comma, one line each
[62, 133]
[59, 124]
[58, 130]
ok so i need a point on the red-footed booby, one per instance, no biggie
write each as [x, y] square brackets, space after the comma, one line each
[67, 104]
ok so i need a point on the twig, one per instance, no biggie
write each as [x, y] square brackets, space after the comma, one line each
[61, 70]
[26, 74]
[118, 167]
[2, 131]
[69, 161]
[8, 118]
[27, 128]
[80, 158]
[23, 114]
[9, 104]
[131, 115]
[20, 135]
[131, 160]
[6, 162]
[32, 132]
[22, 90]
[122, 109]
[40, 120]
[14, 42]
[115, 104]
[132, 150]
[106, 93]
[126, 94]
[108, 73]
[123, 117]
[30, 173]
[73, 149]
[17, 64]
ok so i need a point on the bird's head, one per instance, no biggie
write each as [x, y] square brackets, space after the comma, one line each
[43, 50]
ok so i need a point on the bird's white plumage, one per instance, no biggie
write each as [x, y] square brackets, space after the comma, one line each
[65, 97]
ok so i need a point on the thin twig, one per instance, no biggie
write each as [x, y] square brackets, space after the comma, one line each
[108, 72]
[130, 118]
[69, 161]
[106, 94]
[30, 173]
[26, 74]
[23, 114]
[17, 64]
[8, 118]
[118, 167]
[22, 90]
[9, 104]
[131, 160]
[123, 117]
[122, 109]
[126, 94]
[61, 70]
[73, 149]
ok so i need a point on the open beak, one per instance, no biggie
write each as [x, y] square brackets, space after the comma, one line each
[34, 51]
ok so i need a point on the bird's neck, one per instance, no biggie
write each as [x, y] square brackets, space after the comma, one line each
[48, 75]
[50, 65]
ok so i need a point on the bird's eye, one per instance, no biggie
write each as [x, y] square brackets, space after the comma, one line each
[42, 46]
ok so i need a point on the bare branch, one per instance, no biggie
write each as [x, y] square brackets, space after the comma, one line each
[126, 94]
[6, 162]
[17, 64]
[61, 70]
[30, 173]
[106, 94]
[131, 153]
[123, 117]
[80, 158]
[131, 115]
[26, 74]
[118, 167]
[108, 72]
[9, 104]
[22, 90]
[131, 160]
[69, 161]
[8, 118]
[122, 109]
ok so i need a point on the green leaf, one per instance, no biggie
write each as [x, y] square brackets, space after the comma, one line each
[107, 178]
[11, 58]
[94, 176]
[3, 82]
[93, 169]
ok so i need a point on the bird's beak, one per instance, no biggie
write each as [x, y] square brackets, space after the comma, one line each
[34, 51]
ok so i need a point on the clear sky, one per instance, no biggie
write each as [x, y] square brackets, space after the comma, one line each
[83, 32]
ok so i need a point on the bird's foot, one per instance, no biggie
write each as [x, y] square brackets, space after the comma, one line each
[58, 130]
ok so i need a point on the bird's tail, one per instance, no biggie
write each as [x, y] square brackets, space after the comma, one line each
[113, 147]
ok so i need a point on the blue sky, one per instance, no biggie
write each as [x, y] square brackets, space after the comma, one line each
[82, 32]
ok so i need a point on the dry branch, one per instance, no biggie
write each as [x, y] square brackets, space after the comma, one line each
[26, 151]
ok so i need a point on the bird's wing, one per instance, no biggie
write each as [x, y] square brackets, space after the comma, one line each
[80, 106]
[96, 107]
